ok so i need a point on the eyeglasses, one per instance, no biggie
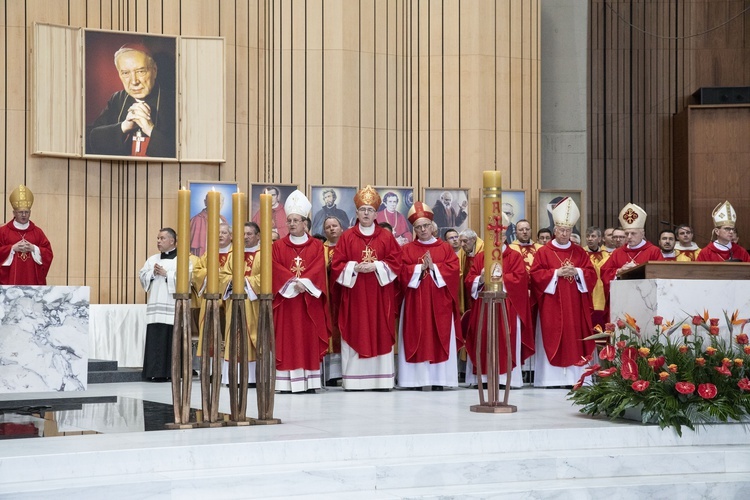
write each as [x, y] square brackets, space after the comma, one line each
[728, 229]
[293, 221]
[366, 210]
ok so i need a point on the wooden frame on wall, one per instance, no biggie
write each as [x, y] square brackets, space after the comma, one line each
[194, 72]
[198, 216]
[343, 206]
[460, 208]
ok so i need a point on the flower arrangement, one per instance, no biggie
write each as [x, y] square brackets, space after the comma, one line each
[693, 377]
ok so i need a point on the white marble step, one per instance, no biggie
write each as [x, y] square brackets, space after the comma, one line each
[420, 477]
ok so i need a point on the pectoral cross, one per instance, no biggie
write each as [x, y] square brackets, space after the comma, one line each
[495, 224]
[138, 139]
[297, 268]
[369, 255]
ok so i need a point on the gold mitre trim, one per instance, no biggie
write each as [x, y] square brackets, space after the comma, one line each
[419, 211]
[21, 198]
[367, 196]
[724, 215]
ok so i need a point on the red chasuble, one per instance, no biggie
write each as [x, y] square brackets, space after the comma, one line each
[516, 284]
[334, 300]
[367, 314]
[429, 311]
[565, 316]
[301, 322]
[23, 270]
[622, 256]
[714, 253]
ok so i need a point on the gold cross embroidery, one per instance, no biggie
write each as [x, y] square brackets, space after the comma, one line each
[23, 256]
[567, 262]
[297, 268]
[369, 255]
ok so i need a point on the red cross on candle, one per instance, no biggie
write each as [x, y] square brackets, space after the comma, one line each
[495, 225]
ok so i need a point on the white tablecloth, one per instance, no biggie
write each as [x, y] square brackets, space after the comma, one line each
[117, 332]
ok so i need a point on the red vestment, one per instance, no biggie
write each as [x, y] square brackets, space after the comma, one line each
[334, 300]
[622, 256]
[429, 311]
[713, 253]
[516, 285]
[302, 323]
[565, 315]
[22, 269]
[401, 227]
[278, 220]
[367, 313]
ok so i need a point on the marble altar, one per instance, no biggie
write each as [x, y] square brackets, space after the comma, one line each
[44, 338]
[676, 299]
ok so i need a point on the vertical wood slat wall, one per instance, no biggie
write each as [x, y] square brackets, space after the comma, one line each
[425, 93]
[646, 60]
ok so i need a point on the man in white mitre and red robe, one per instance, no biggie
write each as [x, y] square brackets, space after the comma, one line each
[722, 249]
[516, 286]
[429, 279]
[366, 264]
[300, 309]
[562, 278]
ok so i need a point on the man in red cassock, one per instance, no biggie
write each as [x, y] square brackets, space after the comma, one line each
[722, 249]
[25, 252]
[278, 213]
[636, 249]
[366, 263]
[516, 287]
[429, 316]
[562, 279]
[300, 311]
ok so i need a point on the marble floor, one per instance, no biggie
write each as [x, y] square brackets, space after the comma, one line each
[336, 444]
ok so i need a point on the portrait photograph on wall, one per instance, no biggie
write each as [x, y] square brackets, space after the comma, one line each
[336, 201]
[395, 203]
[548, 198]
[278, 193]
[130, 93]
[450, 207]
[199, 213]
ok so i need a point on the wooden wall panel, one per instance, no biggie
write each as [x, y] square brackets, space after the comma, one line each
[645, 61]
[389, 92]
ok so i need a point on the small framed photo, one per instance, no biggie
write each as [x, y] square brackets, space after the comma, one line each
[199, 214]
[278, 193]
[332, 201]
[130, 89]
[548, 198]
[396, 201]
[450, 207]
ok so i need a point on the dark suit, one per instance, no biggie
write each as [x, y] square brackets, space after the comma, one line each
[446, 218]
[106, 137]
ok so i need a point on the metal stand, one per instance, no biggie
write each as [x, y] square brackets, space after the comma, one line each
[265, 368]
[490, 301]
[211, 374]
[238, 348]
[182, 363]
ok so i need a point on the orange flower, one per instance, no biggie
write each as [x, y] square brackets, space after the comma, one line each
[672, 368]
[746, 349]
[683, 349]
[663, 376]
[656, 363]
[630, 321]
[644, 352]
[726, 362]
[738, 362]
[686, 330]
[700, 361]
[710, 351]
